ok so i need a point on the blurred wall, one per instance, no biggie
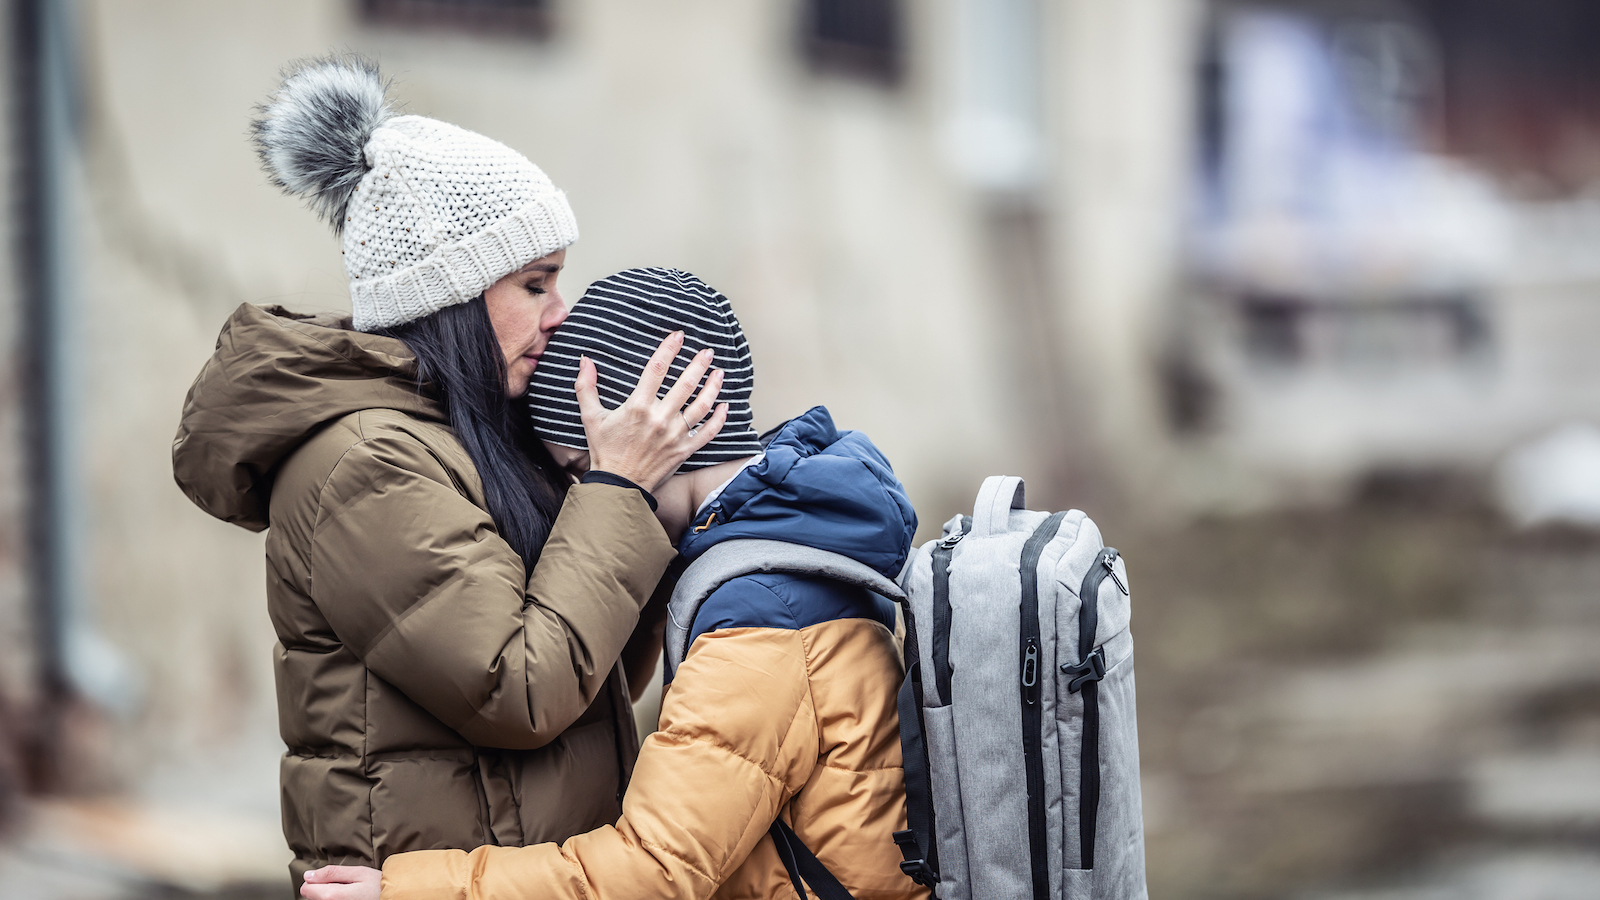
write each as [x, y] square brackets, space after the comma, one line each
[15, 634]
[1119, 97]
[870, 275]
[18, 668]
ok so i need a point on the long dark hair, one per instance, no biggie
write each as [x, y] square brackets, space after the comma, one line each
[459, 363]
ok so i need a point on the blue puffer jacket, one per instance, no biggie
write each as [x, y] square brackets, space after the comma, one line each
[818, 486]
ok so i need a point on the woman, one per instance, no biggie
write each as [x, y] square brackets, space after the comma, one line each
[450, 612]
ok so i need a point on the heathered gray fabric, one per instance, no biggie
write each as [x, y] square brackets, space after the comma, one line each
[974, 736]
[732, 559]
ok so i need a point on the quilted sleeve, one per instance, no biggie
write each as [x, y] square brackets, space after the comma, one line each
[414, 579]
[738, 739]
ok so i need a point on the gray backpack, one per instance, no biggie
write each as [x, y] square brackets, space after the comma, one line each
[1002, 733]
[1017, 716]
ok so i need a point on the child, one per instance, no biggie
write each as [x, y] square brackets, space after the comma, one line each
[785, 703]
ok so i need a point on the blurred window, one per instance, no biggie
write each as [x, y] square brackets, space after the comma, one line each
[994, 135]
[1522, 90]
[1417, 329]
[1513, 86]
[860, 38]
[1326, 211]
[526, 17]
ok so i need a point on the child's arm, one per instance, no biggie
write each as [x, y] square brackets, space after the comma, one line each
[738, 738]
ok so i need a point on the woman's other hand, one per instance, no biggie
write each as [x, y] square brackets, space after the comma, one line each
[646, 439]
[342, 883]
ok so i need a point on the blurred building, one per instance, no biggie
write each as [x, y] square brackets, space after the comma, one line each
[1390, 242]
[1160, 256]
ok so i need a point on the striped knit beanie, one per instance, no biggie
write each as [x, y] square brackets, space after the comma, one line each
[619, 323]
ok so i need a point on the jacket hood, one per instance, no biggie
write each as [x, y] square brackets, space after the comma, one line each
[829, 489]
[275, 378]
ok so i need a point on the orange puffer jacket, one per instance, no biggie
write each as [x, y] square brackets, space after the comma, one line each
[784, 706]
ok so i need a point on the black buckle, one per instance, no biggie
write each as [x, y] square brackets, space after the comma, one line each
[1093, 668]
[915, 867]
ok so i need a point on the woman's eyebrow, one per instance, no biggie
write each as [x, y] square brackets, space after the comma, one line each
[539, 267]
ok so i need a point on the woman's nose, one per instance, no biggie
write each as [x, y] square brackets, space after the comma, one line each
[555, 315]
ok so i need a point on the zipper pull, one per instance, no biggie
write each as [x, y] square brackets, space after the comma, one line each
[952, 539]
[1108, 558]
[1030, 673]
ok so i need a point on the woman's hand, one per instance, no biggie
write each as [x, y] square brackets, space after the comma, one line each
[342, 883]
[646, 439]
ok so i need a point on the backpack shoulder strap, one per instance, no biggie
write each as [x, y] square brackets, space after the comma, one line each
[733, 559]
[803, 866]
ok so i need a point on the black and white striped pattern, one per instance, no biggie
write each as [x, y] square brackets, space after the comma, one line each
[619, 323]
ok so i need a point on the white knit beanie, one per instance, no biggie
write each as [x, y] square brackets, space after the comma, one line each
[430, 214]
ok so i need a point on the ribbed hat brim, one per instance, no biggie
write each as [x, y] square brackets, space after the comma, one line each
[457, 272]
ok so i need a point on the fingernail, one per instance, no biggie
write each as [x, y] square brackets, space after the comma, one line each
[678, 335]
[706, 353]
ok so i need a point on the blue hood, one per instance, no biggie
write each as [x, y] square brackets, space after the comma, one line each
[818, 486]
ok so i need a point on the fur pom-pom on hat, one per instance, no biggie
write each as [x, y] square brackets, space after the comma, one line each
[312, 133]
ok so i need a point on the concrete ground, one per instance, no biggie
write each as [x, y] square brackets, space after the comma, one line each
[1400, 699]
[1396, 700]
[119, 850]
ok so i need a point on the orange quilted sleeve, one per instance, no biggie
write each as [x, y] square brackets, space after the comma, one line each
[738, 738]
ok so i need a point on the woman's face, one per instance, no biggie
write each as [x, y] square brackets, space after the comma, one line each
[525, 307]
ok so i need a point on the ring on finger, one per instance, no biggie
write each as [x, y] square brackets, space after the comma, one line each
[686, 424]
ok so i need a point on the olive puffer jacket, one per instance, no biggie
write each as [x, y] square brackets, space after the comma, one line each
[784, 706]
[432, 693]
